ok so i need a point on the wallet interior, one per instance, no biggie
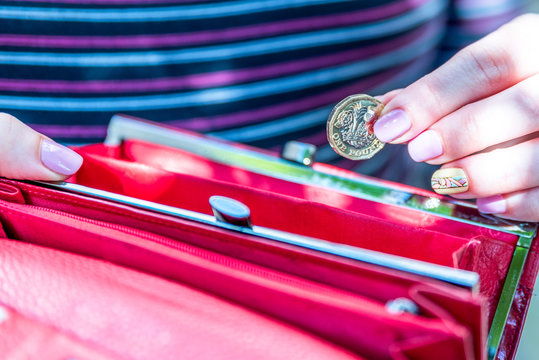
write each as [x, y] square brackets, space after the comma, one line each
[308, 290]
[328, 296]
[175, 177]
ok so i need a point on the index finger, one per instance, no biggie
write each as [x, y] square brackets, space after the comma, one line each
[484, 68]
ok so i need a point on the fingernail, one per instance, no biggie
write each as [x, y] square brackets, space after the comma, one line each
[449, 181]
[392, 125]
[492, 205]
[427, 145]
[58, 158]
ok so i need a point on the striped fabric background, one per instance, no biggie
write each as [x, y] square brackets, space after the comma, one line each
[255, 71]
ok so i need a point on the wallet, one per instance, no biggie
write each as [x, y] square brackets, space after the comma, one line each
[170, 244]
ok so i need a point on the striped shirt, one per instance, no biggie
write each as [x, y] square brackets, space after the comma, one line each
[260, 72]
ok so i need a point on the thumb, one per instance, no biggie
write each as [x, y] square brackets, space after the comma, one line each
[27, 155]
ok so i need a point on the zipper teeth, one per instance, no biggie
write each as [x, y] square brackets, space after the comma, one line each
[218, 258]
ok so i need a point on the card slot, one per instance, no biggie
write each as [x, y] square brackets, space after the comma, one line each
[71, 223]
[478, 256]
[487, 255]
[316, 307]
[271, 210]
[184, 162]
[381, 283]
[483, 249]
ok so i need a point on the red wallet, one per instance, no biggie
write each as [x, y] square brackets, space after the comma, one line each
[128, 259]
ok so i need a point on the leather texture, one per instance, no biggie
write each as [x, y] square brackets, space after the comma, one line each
[26, 338]
[123, 314]
[95, 279]
[330, 308]
[484, 251]
[167, 175]
[521, 303]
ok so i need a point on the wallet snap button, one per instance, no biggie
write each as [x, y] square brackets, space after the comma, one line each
[230, 211]
[402, 305]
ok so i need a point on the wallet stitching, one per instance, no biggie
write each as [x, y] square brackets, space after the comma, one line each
[105, 208]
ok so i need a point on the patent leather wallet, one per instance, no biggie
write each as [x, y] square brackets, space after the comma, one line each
[131, 259]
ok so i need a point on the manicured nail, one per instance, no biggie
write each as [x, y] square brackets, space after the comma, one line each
[426, 146]
[492, 205]
[449, 181]
[58, 158]
[392, 125]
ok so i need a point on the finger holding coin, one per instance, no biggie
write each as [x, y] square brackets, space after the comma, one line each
[478, 116]
[495, 63]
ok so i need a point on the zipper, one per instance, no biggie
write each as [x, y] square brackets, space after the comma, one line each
[457, 277]
[214, 257]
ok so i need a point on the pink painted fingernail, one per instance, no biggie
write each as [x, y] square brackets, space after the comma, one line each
[59, 159]
[392, 125]
[492, 205]
[426, 146]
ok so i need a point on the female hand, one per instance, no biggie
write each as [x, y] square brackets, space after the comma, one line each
[27, 155]
[478, 114]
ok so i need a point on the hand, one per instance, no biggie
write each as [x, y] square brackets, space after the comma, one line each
[27, 155]
[478, 114]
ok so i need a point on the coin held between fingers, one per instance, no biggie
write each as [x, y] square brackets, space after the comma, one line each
[350, 127]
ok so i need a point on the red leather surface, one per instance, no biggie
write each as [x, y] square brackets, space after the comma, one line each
[323, 310]
[25, 338]
[269, 209]
[369, 280]
[309, 217]
[490, 259]
[127, 314]
[297, 286]
[183, 162]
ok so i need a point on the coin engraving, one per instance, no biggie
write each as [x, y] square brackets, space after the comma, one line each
[349, 127]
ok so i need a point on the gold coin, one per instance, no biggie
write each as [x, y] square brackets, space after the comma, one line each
[349, 127]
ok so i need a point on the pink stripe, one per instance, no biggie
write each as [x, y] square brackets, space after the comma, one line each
[201, 81]
[71, 131]
[283, 109]
[203, 37]
[236, 119]
[296, 106]
[115, 2]
[468, 5]
[241, 118]
[486, 25]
